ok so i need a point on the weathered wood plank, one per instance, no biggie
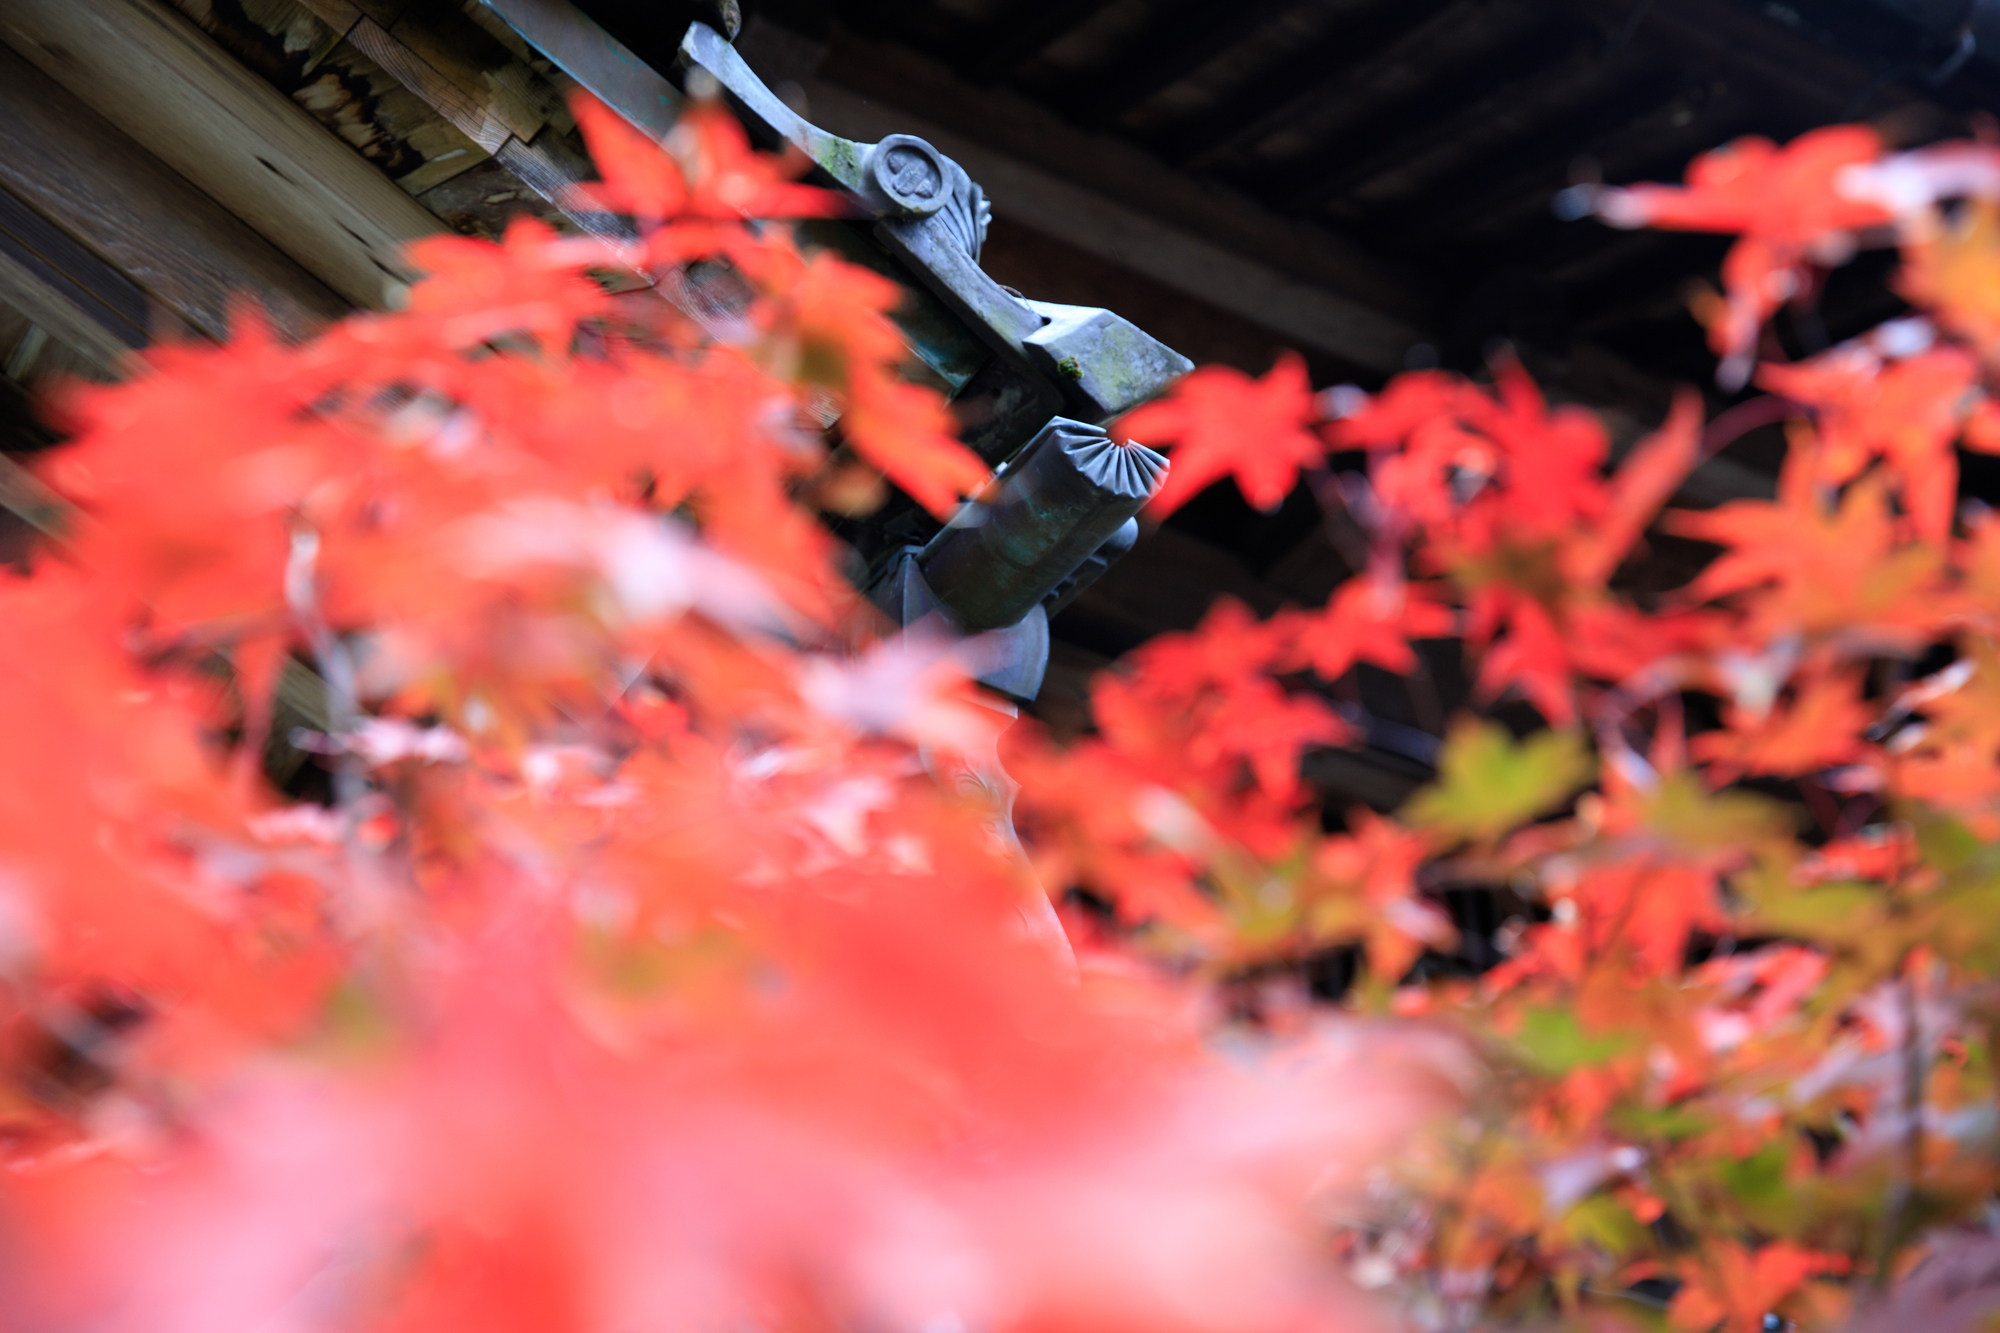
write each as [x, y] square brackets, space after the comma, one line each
[89, 307]
[171, 240]
[338, 15]
[551, 169]
[279, 40]
[385, 12]
[478, 122]
[482, 201]
[1114, 231]
[466, 54]
[84, 280]
[165, 83]
[303, 51]
[33, 357]
[595, 59]
[386, 122]
[26, 287]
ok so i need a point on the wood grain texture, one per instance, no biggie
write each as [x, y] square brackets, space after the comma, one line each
[26, 286]
[476, 121]
[172, 241]
[167, 85]
[86, 281]
[375, 112]
[482, 201]
[465, 53]
[336, 14]
[305, 53]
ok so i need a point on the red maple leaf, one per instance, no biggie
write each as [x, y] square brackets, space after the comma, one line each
[1532, 656]
[1415, 442]
[1549, 460]
[706, 169]
[1229, 644]
[729, 180]
[1649, 909]
[1847, 571]
[840, 313]
[640, 177]
[1267, 728]
[1906, 411]
[1376, 861]
[1650, 473]
[533, 281]
[1785, 203]
[1371, 620]
[1222, 423]
[1752, 187]
[1820, 728]
[1730, 1286]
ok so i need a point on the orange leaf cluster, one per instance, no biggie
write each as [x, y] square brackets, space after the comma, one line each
[1744, 985]
[641, 939]
[632, 946]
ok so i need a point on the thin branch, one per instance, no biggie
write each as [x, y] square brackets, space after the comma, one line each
[336, 666]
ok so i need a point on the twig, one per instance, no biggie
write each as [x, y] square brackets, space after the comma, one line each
[1902, 1194]
[336, 666]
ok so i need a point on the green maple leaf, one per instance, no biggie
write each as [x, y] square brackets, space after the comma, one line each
[1489, 782]
[1551, 1041]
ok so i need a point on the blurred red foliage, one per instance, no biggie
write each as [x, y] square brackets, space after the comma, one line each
[661, 956]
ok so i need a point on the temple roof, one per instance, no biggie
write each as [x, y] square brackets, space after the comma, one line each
[1371, 182]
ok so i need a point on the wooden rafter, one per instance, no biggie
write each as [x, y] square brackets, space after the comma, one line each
[143, 223]
[164, 83]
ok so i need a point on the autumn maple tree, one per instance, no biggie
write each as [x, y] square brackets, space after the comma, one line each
[643, 941]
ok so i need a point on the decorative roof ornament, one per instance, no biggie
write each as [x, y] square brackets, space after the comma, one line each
[907, 174]
[1033, 381]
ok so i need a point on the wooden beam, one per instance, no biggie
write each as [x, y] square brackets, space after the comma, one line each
[86, 282]
[461, 50]
[1021, 32]
[67, 291]
[1447, 98]
[1177, 42]
[1817, 83]
[1349, 43]
[595, 59]
[302, 49]
[172, 241]
[167, 85]
[478, 121]
[28, 290]
[1111, 230]
[1014, 126]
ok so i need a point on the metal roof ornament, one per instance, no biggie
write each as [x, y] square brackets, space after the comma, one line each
[1033, 382]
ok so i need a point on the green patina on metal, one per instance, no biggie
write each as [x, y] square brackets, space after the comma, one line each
[839, 158]
[1042, 516]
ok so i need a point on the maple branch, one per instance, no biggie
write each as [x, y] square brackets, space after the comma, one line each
[1345, 531]
[1371, 547]
[1738, 421]
[336, 665]
[1425, 701]
[1611, 710]
[1902, 1193]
